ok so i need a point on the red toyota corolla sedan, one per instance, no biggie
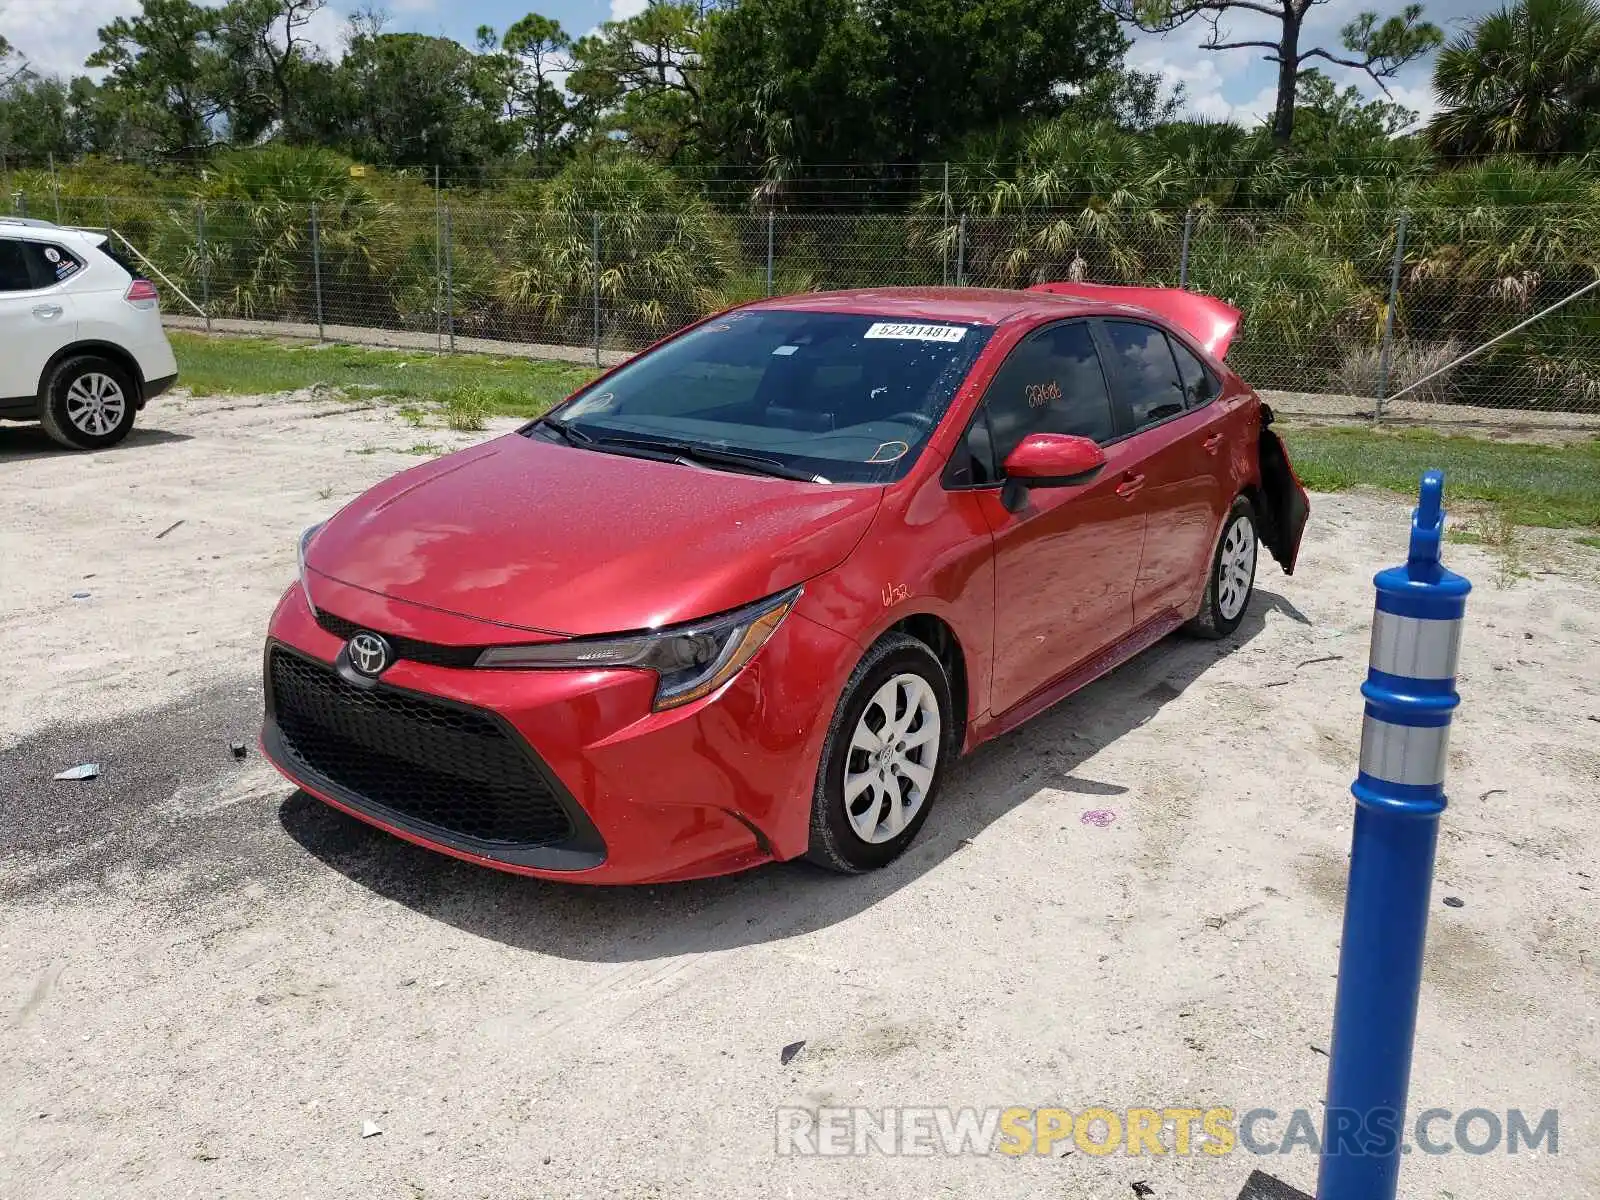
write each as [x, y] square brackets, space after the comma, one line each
[746, 596]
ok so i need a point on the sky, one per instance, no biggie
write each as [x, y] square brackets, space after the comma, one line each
[58, 34]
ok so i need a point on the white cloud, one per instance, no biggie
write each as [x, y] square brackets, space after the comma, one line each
[621, 10]
[57, 35]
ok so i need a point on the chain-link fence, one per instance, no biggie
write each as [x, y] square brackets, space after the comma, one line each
[1349, 309]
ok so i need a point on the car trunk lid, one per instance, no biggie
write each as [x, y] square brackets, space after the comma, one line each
[1211, 322]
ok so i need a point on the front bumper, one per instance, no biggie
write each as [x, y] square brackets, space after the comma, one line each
[561, 774]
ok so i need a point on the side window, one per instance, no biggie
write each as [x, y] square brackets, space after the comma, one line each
[13, 267]
[51, 264]
[1147, 375]
[1051, 383]
[1199, 387]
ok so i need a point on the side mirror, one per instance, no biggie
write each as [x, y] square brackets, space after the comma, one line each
[1054, 460]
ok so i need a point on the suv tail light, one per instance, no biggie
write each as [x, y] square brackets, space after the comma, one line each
[141, 291]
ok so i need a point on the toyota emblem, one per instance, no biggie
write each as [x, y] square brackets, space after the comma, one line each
[369, 653]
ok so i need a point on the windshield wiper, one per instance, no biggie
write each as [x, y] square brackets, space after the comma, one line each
[572, 436]
[711, 456]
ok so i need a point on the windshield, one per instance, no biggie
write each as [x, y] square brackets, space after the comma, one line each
[844, 397]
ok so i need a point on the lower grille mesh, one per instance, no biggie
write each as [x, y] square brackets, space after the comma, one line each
[453, 768]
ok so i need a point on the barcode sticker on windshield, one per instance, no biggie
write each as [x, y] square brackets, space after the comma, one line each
[917, 333]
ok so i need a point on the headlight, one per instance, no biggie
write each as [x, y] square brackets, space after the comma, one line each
[691, 660]
[300, 562]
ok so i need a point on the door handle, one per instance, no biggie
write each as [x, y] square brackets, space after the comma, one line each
[47, 312]
[1130, 484]
[1212, 444]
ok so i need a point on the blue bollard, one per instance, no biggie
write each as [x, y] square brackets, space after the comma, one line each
[1399, 791]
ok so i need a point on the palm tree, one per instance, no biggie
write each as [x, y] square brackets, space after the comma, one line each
[1525, 80]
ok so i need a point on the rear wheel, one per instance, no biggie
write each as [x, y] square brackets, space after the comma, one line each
[88, 403]
[1233, 575]
[884, 758]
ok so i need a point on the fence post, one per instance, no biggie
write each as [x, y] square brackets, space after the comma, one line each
[1384, 356]
[1183, 252]
[1399, 790]
[450, 276]
[205, 261]
[55, 186]
[961, 252]
[594, 263]
[22, 204]
[769, 253]
[316, 267]
[438, 265]
[105, 205]
[946, 255]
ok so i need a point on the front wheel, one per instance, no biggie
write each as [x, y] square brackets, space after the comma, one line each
[884, 757]
[1233, 575]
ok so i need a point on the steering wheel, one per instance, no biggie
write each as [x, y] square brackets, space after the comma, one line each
[912, 417]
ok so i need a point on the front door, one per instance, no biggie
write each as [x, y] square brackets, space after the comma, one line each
[1065, 559]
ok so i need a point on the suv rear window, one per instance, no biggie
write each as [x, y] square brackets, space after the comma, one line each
[125, 261]
[51, 263]
[14, 276]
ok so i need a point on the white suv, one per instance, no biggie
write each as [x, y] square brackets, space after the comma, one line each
[81, 344]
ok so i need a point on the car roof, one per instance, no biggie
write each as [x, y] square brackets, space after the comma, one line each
[35, 227]
[968, 305]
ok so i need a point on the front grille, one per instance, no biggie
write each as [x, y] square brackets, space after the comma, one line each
[411, 649]
[456, 769]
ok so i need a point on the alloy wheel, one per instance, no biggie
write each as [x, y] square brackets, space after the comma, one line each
[1236, 568]
[95, 403]
[894, 752]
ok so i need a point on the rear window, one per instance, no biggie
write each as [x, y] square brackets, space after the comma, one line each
[52, 263]
[14, 276]
[1148, 374]
[849, 397]
[123, 260]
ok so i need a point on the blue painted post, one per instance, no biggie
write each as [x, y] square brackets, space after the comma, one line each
[1399, 791]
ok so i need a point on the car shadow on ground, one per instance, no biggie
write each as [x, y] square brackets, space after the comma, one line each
[31, 441]
[618, 924]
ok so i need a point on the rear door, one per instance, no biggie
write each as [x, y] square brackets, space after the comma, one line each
[1065, 559]
[1170, 402]
[36, 313]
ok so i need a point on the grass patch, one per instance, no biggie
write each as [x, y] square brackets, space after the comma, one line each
[425, 449]
[1552, 486]
[1592, 542]
[470, 386]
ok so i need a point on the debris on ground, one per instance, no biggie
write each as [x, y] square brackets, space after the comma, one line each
[1316, 1049]
[1454, 902]
[1311, 662]
[370, 1129]
[1098, 817]
[1142, 1189]
[786, 1055]
[81, 771]
[239, 749]
[80, 595]
[170, 528]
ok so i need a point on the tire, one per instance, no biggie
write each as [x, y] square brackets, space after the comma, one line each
[1233, 575]
[89, 403]
[893, 799]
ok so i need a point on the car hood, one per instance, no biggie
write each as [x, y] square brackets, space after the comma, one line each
[555, 539]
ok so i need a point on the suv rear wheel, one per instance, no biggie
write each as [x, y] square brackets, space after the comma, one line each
[89, 403]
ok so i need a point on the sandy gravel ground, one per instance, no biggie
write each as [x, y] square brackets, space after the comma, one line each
[208, 983]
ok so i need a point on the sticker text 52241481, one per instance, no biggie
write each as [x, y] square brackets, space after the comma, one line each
[916, 333]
